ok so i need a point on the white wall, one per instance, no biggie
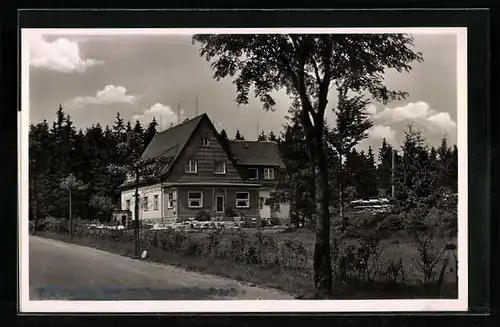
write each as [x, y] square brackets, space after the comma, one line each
[265, 212]
[150, 192]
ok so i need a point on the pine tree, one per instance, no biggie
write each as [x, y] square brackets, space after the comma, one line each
[119, 129]
[271, 136]
[384, 169]
[150, 132]
[371, 175]
[223, 137]
[238, 136]
[262, 137]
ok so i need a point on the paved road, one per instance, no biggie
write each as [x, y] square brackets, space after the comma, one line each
[66, 271]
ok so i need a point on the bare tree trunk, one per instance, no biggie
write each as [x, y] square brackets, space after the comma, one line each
[322, 260]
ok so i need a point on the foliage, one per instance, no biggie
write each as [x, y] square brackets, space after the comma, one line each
[102, 204]
[203, 215]
[60, 151]
[306, 66]
[230, 212]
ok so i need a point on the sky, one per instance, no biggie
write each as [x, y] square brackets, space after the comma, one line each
[141, 76]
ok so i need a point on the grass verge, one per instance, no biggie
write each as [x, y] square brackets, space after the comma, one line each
[288, 280]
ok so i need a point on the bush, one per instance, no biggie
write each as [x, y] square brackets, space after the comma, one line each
[203, 215]
[230, 212]
[394, 271]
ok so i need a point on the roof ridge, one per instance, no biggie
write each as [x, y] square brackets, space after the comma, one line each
[181, 124]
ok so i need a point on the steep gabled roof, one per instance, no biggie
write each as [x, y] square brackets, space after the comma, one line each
[170, 142]
[263, 153]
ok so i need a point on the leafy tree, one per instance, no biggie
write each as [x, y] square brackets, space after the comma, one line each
[102, 204]
[262, 137]
[297, 186]
[352, 125]
[306, 66]
[238, 136]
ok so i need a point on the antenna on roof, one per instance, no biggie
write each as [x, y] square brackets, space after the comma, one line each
[197, 105]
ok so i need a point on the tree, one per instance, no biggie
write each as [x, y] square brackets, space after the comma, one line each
[223, 137]
[141, 170]
[272, 136]
[262, 137]
[150, 132]
[384, 169]
[297, 186]
[238, 136]
[71, 184]
[102, 204]
[352, 125]
[306, 66]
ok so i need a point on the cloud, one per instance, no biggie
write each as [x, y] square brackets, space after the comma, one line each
[371, 109]
[164, 115]
[417, 112]
[411, 111]
[380, 131]
[61, 55]
[442, 121]
[109, 95]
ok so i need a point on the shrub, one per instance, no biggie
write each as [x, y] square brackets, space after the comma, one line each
[428, 257]
[237, 244]
[394, 271]
[203, 215]
[230, 212]
[193, 248]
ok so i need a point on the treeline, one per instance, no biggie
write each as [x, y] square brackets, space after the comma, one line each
[421, 172]
[60, 150]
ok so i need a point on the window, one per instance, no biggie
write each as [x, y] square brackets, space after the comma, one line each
[191, 167]
[195, 200]
[268, 173]
[261, 203]
[220, 167]
[155, 203]
[205, 142]
[242, 200]
[145, 204]
[276, 205]
[253, 173]
[127, 204]
[170, 203]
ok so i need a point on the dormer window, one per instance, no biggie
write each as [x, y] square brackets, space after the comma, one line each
[253, 173]
[268, 173]
[191, 167]
[205, 142]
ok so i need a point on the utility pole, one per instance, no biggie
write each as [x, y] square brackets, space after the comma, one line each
[196, 105]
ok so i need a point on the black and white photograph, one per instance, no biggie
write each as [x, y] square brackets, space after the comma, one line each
[244, 169]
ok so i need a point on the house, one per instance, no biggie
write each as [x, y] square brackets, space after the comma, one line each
[202, 173]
